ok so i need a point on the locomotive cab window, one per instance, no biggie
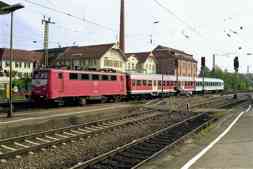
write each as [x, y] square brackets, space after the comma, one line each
[73, 76]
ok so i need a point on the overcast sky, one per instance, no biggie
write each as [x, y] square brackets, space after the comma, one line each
[199, 27]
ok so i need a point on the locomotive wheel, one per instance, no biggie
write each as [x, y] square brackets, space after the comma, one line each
[103, 100]
[83, 101]
[117, 99]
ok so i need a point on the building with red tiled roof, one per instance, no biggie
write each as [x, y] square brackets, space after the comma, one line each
[102, 56]
[23, 61]
[142, 62]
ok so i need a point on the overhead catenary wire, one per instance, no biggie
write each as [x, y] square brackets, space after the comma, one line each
[71, 15]
[177, 17]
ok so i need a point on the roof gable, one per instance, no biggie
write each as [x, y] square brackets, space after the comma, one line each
[141, 56]
[94, 51]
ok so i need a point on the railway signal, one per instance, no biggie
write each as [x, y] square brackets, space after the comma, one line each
[236, 67]
[203, 62]
[236, 64]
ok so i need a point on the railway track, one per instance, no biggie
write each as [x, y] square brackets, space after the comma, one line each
[17, 146]
[136, 153]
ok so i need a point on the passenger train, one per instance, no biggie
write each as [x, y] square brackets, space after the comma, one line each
[61, 85]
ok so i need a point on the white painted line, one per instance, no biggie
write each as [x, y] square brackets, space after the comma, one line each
[59, 115]
[205, 150]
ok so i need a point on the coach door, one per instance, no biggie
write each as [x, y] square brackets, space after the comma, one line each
[155, 85]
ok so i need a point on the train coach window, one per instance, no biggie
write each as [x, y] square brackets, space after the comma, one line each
[105, 77]
[73, 76]
[85, 77]
[113, 77]
[150, 83]
[60, 76]
[164, 83]
[144, 82]
[160, 83]
[138, 82]
[133, 82]
[155, 82]
[95, 77]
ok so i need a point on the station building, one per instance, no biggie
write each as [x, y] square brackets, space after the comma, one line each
[94, 57]
[167, 58]
[23, 62]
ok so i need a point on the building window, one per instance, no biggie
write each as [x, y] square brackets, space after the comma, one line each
[113, 63]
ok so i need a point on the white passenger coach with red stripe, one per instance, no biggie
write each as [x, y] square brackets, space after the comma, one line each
[157, 83]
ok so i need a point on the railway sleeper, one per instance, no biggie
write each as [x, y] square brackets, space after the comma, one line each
[146, 149]
[135, 156]
[158, 142]
[101, 166]
[138, 153]
[126, 157]
[112, 163]
[161, 140]
[123, 161]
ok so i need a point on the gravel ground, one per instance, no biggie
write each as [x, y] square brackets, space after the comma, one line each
[7, 131]
[67, 155]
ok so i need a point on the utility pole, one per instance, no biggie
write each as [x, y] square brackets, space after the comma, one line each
[46, 22]
[203, 65]
[214, 62]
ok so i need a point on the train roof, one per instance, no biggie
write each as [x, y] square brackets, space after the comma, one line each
[81, 71]
[207, 79]
[141, 76]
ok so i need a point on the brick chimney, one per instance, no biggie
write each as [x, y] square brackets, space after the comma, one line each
[122, 26]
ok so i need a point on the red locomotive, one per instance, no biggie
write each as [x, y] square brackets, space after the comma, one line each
[57, 84]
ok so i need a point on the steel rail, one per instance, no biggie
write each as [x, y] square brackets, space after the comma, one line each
[29, 143]
[90, 163]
